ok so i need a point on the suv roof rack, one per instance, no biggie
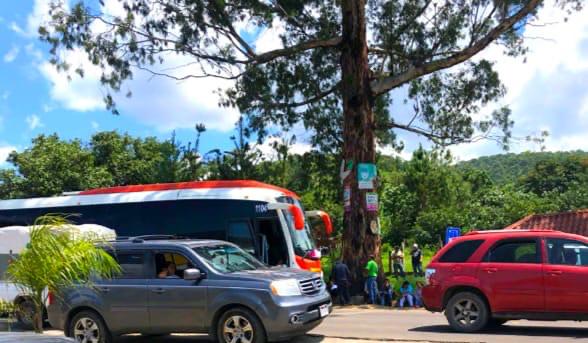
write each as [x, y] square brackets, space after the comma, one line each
[142, 238]
[479, 232]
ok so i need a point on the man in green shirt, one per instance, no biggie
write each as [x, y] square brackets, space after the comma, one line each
[372, 285]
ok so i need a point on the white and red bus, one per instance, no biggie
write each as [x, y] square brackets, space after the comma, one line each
[265, 220]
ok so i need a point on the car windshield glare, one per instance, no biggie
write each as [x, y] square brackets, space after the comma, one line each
[228, 258]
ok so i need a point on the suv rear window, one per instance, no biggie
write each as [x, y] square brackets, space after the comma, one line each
[132, 265]
[461, 252]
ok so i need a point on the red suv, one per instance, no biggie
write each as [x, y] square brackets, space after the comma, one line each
[488, 277]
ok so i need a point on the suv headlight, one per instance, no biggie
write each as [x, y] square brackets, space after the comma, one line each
[284, 288]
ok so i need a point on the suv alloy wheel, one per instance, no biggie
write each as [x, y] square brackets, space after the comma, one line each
[467, 312]
[88, 327]
[239, 325]
[25, 313]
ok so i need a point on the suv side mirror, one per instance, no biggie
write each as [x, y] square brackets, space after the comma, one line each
[192, 274]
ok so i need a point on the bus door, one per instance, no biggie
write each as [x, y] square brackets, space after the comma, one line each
[273, 247]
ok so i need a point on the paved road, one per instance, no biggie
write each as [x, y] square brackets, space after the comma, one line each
[420, 325]
[351, 324]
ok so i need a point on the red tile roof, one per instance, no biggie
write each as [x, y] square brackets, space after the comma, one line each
[571, 222]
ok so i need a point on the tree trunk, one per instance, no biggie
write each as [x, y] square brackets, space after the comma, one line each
[38, 318]
[358, 140]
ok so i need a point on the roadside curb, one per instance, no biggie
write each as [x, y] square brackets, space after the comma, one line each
[385, 339]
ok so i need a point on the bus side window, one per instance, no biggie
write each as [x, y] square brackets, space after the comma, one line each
[240, 234]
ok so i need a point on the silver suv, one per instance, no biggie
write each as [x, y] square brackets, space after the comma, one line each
[192, 286]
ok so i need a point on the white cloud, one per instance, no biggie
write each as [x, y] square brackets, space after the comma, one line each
[12, 54]
[160, 102]
[269, 39]
[35, 53]
[297, 148]
[33, 121]
[95, 126]
[15, 28]
[390, 151]
[47, 108]
[79, 94]
[5, 150]
[40, 15]
[5, 95]
[554, 47]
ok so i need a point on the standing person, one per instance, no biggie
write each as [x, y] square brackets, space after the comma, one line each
[342, 279]
[333, 290]
[398, 257]
[417, 260]
[372, 275]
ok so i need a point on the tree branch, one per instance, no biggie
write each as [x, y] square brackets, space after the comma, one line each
[319, 43]
[393, 81]
[308, 101]
[188, 76]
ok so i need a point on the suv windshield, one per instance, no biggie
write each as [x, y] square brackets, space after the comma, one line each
[228, 258]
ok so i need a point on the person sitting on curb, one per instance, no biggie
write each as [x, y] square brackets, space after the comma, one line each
[386, 294]
[418, 294]
[406, 295]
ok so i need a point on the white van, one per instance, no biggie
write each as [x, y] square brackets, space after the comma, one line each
[13, 239]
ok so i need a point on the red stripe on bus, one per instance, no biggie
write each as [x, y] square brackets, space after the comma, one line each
[189, 185]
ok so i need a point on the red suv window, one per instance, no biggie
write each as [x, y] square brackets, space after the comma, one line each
[515, 251]
[461, 252]
[567, 252]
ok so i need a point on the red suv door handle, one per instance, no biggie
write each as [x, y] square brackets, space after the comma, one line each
[555, 272]
[490, 270]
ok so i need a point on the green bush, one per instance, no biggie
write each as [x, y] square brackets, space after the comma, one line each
[7, 308]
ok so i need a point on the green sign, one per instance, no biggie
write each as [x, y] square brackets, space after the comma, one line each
[366, 174]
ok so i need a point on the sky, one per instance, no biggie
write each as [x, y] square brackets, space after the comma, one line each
[548, 90]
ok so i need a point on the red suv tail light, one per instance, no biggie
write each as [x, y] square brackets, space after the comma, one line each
[50, 298]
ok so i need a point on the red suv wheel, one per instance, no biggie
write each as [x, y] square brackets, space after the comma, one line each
[467, 312]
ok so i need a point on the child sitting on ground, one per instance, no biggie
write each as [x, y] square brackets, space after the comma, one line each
[406, 295]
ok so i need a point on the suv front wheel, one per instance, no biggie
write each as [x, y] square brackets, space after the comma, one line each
[240, 325]
[467, 312]
[88, 326]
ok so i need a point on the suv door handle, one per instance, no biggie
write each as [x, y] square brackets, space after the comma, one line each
[104, 289]
[490, 270]
[555, 272]
[158, 290]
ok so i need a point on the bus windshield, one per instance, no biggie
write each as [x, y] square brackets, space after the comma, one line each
[301, 239]
[228, 258]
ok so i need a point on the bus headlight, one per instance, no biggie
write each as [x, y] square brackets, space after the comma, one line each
[284, 288]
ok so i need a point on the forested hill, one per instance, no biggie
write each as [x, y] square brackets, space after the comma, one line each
[508, 168]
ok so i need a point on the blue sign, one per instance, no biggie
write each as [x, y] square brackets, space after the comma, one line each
[451, 233]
